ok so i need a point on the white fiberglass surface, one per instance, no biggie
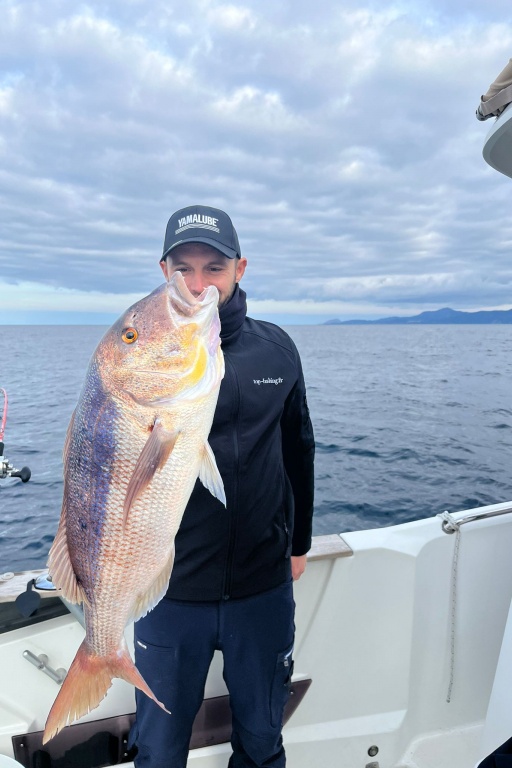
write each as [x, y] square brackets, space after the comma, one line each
[497, 147]
[377, 635]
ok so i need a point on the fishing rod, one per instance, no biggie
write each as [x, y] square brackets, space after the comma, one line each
[6, 468]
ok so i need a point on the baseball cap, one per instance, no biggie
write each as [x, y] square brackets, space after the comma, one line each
[201, 224]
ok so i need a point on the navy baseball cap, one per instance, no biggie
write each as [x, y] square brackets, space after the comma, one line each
[201, 224]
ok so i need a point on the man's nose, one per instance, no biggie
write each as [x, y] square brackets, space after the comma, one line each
[195, 284]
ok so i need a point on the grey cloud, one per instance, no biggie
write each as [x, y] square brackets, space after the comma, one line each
[342, 142]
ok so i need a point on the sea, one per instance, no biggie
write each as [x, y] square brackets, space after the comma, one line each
[409, 421]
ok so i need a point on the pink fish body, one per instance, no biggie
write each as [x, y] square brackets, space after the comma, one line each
[136, 444]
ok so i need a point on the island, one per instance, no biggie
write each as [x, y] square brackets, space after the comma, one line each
[445, 316]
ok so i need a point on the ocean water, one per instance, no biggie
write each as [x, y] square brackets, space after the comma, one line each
[409, 421]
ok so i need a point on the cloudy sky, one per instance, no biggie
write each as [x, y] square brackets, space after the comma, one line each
[340, 137]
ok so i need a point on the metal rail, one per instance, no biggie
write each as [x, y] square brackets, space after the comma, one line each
[451, 524]
[41, 662]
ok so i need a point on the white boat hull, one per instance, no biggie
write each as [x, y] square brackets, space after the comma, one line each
[496, 151]
[374, 633]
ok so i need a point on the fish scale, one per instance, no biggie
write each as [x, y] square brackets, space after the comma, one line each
[136, 445]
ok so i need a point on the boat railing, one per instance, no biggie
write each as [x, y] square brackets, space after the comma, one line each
[451, 524]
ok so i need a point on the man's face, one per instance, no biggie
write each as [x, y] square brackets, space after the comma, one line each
[201, 266]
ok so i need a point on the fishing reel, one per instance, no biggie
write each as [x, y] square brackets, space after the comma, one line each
[6, 468]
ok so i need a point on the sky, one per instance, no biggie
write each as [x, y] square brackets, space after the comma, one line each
[339, 137]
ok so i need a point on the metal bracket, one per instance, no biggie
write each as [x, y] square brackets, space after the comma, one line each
[41, 662]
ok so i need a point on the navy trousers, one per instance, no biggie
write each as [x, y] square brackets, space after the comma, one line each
[174, 646]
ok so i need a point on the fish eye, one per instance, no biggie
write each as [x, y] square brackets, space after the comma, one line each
[130, 335]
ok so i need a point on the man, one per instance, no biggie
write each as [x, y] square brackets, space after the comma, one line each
[231, 586]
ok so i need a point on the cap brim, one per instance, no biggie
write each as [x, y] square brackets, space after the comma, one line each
[229, 252]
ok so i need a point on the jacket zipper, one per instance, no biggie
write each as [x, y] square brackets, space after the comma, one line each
[233, 523]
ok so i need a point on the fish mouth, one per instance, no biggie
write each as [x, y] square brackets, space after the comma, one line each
[202, 310]
[185, 303]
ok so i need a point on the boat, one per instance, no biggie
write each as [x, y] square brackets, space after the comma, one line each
[402, 660]
[496, 103]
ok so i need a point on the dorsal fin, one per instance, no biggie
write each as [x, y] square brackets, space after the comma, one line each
[60, 566]
[67, 441]
[59, 562]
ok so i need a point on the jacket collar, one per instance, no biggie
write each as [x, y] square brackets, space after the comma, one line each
[232, 316]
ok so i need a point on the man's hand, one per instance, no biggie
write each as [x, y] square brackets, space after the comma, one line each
[298, 566]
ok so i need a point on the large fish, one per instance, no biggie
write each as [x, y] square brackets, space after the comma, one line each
[135, 446]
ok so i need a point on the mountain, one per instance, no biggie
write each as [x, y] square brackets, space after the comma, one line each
[445, 316]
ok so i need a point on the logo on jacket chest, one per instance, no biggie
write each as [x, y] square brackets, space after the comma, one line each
[269, 380]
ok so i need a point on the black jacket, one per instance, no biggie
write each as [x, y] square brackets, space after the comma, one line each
[263, 443]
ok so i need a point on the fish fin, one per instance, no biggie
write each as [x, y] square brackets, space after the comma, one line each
[153, 457]
[59, 560]
[67, 441]
[154, 594]
[60, 566]
[209, 474]
[88, 680]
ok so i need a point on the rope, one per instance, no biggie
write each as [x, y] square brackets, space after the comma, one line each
[4, 417]
[450, 525]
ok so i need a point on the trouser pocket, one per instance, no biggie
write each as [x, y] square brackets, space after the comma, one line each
[281, 685]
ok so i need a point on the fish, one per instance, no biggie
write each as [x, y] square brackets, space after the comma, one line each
[135, 446]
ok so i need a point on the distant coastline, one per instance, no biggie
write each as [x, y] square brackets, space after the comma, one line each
[445, 316]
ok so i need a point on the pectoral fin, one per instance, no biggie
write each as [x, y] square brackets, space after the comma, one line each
[209, 475]
[153, 457]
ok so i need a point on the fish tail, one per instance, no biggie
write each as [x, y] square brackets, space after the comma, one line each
[85, 685]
